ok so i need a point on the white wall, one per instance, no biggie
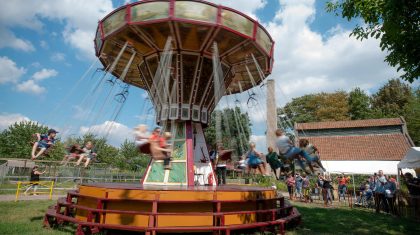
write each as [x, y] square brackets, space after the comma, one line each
[361, 167]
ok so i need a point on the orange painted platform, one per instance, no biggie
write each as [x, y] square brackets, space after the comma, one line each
[155, 209]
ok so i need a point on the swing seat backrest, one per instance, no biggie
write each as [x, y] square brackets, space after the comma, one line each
[145, 148]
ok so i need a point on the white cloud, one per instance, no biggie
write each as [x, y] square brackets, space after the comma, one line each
[308, 62]
[44, 74]
[116, 132]
[43, 44]
[57, 57]
[80, 18]
[9, 39]
[7, 119]
[9, 71]
[31, 87]
[36, 64]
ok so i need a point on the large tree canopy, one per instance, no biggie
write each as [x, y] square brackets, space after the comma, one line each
[317, 107]
[395, 22]
[391, 98]
[235, 130]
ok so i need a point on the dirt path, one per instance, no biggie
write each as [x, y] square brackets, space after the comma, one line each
[10, 197]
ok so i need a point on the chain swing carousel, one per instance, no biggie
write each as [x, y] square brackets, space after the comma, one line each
[186, 55]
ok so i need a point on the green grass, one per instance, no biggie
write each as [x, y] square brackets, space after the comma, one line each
[318, 220]
[25, 217]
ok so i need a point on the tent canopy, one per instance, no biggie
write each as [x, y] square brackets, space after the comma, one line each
[411, 159]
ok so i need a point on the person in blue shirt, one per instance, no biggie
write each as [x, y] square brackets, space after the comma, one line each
[298, 185]
[390, 190]
[44, 142]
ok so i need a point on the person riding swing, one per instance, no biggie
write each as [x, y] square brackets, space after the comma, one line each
[43, 143]
[159, 148]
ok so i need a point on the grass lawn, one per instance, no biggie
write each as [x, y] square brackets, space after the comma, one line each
[343, 220]
[25, 217]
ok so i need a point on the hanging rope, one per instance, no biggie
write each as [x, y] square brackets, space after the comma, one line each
[239, 127]
[107, 100]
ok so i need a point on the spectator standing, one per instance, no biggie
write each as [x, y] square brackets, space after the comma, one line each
[290, 185]
[342, 186]
[306, 188]
[34, 180]
[390, 190]
[380, 192]
[326, 190]
[298, 185]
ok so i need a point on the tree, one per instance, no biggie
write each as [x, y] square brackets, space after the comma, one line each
[359, 104]
[317, 107]
[395, 22]
[236, 129]
[130, 158]
[412, 117]
[300, 109]
[390, 99]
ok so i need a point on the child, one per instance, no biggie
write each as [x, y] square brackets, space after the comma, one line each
[290, 185]
[34, 180]
[43, 142]
[88, 153]
[141, 135]
[306, 188]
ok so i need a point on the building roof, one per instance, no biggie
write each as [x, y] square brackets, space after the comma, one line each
[385, 147]
[350, 124]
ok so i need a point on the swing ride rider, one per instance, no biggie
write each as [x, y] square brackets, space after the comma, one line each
[88, 153]
[159, 148]
[286, 147]
[312, 151]
[44, 142]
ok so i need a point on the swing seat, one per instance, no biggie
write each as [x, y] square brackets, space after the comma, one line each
[145, 148]
[226, 155]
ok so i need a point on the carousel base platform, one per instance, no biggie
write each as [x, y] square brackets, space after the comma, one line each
[120, 208]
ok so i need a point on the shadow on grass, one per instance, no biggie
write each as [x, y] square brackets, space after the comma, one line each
[36, 218]
[317, 220]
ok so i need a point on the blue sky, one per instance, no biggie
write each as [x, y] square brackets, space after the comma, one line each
[46, 47]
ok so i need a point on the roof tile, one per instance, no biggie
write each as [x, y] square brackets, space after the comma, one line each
[385, 147]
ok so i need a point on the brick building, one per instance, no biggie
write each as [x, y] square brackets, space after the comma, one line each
[359, 146]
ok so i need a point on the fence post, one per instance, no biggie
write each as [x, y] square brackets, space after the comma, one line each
[51, 189]
[17, 191]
